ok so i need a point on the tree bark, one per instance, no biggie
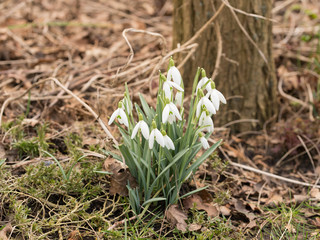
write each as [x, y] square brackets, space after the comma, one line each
[248, 82]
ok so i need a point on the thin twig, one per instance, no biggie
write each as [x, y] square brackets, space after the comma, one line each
[273, 175]
[287, 96]
[307, 151]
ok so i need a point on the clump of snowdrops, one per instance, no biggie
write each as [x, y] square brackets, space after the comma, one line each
[160, 148]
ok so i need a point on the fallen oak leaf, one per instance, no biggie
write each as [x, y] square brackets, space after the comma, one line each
[194, 227]
[315, 193]
[241, 208]
[196, 201]
[119, 178]
[177, 217]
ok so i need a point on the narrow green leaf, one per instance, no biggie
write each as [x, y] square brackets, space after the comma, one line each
[157, 199]
[193, 192]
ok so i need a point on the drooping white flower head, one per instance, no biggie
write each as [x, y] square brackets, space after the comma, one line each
[170, 112]
[120, 115]
[205, 122]
[204, 141]
[143, 126]
[168, 142]
[168, 87]
[155, 135]
[175, 75]
[204, 101]
[178, 98]
[215, 95]
[202, 82]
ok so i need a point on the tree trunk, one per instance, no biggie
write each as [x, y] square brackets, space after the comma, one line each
[244, 77]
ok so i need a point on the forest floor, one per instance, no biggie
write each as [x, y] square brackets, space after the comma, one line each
[50, 46]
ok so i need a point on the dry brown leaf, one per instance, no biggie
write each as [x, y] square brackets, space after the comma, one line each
[119, 178]
[315, 193]
[194, 227]
[225, 211]
[74, 235]
[241, 207]
[177, 217]
[196, 201]
[316, 222]
[252, 224]
[300, 198]
[5, 231]
[274, 200]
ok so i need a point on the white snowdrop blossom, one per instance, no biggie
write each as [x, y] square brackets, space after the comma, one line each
[204, 142]
[206, 122]
[170, 112]
[168, 87]
[215, 96]
[120, 115]
[168, 142]
[143, 126]
[178, 98]
[156, 135]
[204, 101]
[175, 75]
[202, 82]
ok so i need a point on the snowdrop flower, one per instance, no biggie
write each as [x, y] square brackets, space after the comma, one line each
[202, 82]
[170, 112]
[120, 115]
[215, 96]
[206, 122]
[179, 96]
[204, 101]
[204, 141]
[168, 86]
[167, 141]
[143, 126]
[173, 73]
[156, 135]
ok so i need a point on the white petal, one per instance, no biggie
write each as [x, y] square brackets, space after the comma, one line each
[176, 76]
[144, 129]
[176, 86]
[199, 107]
[221, 97]
[171, 118]
[208, 123]
[208, 87]
[175, 110]
[202, 117]
[204, 143]
[215, 99]
[165, 113]
[168, 142]
[151, 139]
[159, 137]
[113, 116]
[167, 89]
[135, 130]
[209, 105]
[179, 98]
[202, 82]
[123, 117]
